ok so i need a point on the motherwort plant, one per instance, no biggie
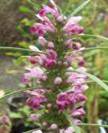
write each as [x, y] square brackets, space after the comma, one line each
[56, 79]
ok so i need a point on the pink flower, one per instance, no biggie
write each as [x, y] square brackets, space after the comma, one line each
[77, 78]
[62, 101]
[38, 29]
[72, 45]
[51, 54]
[78, 112]
[35, 102]
[79, 87]
[81, 61]
[36, 72]
[36, 92]
[48, 25]
[36, 59]
[36, 98]
[33, 59]
[49, 60]
[72, 58]
[76, 46]
[34, 117]
[47, 9]
[42, 41]
[73, 29]
[41, 29]
[4, 120]
[49, 63]
[69, 43]
[75, 97]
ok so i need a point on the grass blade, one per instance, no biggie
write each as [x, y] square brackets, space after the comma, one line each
[77, 10]
[95, 36]
[98, 81]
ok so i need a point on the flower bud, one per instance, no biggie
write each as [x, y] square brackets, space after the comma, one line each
[49, 105]
[60, 18]
[32, 59]
[76, 46]
[53, 126]
[34, 117]
[58, 80]
[42, 41]
[50, 45]
[44, 123]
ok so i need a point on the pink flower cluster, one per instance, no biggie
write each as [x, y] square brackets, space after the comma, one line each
[47, 60]
[74, 98]
[66, 68]
[34, 73]
[36, 98]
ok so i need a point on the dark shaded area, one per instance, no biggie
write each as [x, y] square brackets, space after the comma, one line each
[9, 16]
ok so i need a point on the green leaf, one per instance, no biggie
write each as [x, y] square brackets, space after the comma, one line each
[25, 110]
[98, 81]
[13, 93]
[95, 36]
[80, 8]
[24, 9]
[15, 115]
[34, 4]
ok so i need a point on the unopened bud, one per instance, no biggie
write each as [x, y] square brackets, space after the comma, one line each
[42, 41]
[50, 45]
[58, 80]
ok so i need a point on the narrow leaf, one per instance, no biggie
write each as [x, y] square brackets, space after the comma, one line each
[12, 93]
[80, 8]
[98, 81]
[95, 36]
